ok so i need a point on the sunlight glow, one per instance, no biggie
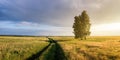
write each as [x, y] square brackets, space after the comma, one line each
[106, 29]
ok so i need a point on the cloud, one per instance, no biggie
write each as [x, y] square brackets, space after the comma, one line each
[30, 28]
[55, 15]
[107, 13]
[52, 12]
[40, 11]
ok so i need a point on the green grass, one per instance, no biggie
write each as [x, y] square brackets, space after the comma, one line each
[20, 48]
[49, 54]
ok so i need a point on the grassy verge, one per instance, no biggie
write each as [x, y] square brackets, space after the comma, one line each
[19, 48]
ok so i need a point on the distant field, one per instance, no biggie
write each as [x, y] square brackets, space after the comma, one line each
[94, 48]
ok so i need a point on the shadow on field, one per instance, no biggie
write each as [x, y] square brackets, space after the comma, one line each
[54, 53]
[38, 54]
[62, 40]
[59, 53]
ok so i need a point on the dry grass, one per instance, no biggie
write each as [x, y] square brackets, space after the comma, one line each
[95, 48]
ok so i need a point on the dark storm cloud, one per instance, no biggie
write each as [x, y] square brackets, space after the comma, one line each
[53, 12]
[40, 11]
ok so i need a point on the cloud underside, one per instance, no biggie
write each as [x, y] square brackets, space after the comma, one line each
[53, 12]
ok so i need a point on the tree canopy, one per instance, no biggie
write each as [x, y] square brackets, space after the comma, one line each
[81, 26]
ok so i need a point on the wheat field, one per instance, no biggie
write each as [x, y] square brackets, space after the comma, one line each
[94, 48]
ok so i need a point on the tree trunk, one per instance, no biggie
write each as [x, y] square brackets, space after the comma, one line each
[85, 37]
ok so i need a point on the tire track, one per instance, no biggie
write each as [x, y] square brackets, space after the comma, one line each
[59, 53]
[38, 54]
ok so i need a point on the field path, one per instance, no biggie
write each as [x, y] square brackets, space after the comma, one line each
[59, 53]
[37, 55]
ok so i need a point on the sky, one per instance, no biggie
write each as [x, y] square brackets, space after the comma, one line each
[55, 17]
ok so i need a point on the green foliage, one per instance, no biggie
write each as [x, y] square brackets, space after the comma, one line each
[81, 25]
